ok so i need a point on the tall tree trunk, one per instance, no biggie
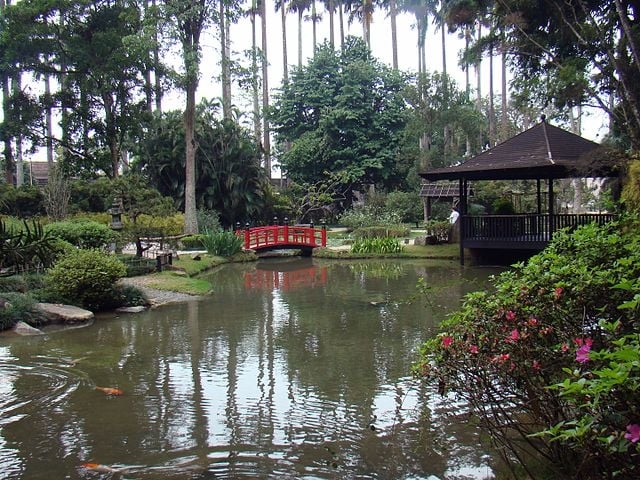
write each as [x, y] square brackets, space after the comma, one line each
[190, 218]
[48, 121]
[341, 19]
[479, 88]
[257, 127]
[17, 86]
[156, 63]
[492, 112]
[443, 38]
[8, 147]
[299, 38]
[266, 141]
[366, 21]
[332, 29]
[314, 25]
[576, 183]
[225, 64]
[393, 13]
[148, 86]
[504, 117]
[285, 62]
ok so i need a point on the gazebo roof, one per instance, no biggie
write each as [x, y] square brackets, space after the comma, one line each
[440, 190]
[543, 151]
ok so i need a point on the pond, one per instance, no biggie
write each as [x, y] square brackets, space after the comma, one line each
[292, 368]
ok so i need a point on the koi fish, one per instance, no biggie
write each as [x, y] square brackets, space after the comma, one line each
[110, 391]
[97, 467]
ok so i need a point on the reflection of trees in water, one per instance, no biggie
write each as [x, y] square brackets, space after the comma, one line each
[242, 373]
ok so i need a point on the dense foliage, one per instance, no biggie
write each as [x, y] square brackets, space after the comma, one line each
[376, 245]
[222, 243]
[82, 233]
[86, 278]
[229, 178]
[555, 344]
[343, 112]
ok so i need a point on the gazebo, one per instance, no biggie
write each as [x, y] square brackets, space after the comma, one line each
[543, 153]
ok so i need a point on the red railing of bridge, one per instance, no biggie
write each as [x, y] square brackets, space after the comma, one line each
[261, 238]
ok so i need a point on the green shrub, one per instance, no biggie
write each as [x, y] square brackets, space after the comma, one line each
[82, 233]
[377, 245]
[192, 242]
[129, 296]
[407, 205]
[86, 278]
[24, 202]
[18, 307]
[223, 244]
[208, 220]
[368, 216]
[21, 283]
[502, 206]
[394, 231]
[438, 229]
[547, 324]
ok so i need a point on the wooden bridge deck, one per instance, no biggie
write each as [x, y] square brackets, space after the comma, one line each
[283, 236]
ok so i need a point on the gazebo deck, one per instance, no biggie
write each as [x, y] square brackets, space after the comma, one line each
[522, 232]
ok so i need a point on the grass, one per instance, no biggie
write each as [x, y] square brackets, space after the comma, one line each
[174, 282]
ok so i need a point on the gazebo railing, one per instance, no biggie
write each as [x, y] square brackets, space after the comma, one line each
[525, 228]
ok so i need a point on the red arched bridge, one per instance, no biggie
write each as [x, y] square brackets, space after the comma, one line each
[277, 237]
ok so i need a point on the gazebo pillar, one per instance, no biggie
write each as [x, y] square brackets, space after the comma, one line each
[551, 206]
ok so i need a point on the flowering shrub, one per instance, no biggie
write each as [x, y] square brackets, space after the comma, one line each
[547, 361]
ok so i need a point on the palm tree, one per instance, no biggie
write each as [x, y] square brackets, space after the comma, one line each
[282, 6]
[299, 6]
[266, 134]
[393, 13]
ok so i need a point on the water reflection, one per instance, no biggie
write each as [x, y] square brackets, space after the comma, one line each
[290, 369]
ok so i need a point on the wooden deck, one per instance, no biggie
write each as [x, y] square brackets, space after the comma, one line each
[520, 232]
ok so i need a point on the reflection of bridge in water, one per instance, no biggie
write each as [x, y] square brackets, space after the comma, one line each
[285, 281]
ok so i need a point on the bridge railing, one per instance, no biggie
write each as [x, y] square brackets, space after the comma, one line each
[273, 236]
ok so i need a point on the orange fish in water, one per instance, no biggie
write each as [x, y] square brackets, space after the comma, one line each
[97, 467]
[111, 391]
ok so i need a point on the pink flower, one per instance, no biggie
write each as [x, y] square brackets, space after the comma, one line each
[447, 341]
[633, 433]
[564, 347]
[558, 292]
[533, 321]
[582, 354]
[536, 365]
[510, 315]
[502, 358]
[514, 336]
[473, 349]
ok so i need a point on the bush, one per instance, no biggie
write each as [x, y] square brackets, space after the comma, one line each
[407, 205]
[223, 244]
[376, 245]
[129, 296]
[86, 278]
[368, 216]
[192, 242]
[438, 229]
[504, 349]
[23, 202]
[18, 307]
[378, 231]
[82, 233]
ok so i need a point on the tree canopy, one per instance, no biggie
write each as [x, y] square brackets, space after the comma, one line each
[342, 112]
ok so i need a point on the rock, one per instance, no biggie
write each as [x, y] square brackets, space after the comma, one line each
[67, 314]
[22, 328]
[137, 309]
[196, 257]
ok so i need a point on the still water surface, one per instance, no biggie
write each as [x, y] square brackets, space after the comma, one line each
[291, 368]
